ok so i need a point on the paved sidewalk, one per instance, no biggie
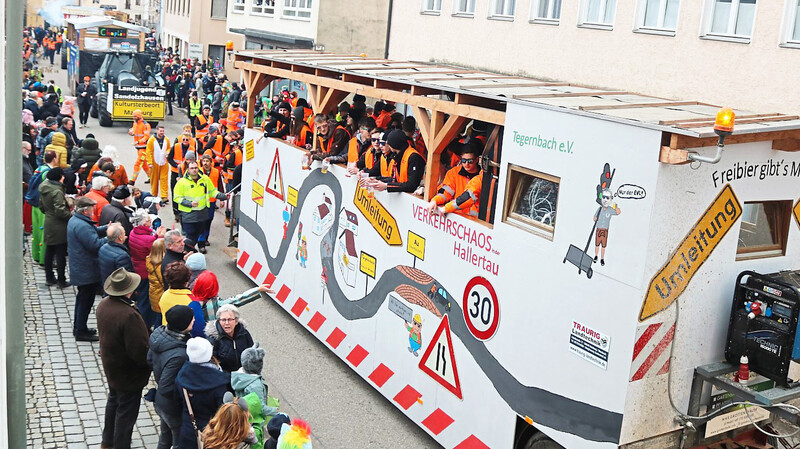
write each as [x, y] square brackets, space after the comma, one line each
[65, 384]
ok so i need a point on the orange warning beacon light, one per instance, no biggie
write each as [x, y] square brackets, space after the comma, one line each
[229, 46]
[724, 121]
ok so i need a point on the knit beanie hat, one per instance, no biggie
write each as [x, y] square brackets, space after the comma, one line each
[90, 144]
[206, 285]
[121, 192]
[397, 140]
[196, 262]
[198, 349]
[274, 425]
[55, 174]
[253, 359]
[179, 317]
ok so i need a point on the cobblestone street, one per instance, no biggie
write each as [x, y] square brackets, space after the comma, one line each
[65, 385]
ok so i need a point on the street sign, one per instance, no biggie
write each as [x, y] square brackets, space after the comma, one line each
[249, 149]
[367, 265]
[416, 246]
[291, 197]
[274, 184]
[258, 194]
[481, 308]
[439, 360]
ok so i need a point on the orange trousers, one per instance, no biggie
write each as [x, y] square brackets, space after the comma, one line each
[140, 164]
[159, 180]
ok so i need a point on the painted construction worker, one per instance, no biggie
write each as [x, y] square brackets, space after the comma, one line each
[192, 194]
[158, 147]
[407, 169]
[414, 334]
[202, 122]
[456, 180]
[195, 109]
[141, 134]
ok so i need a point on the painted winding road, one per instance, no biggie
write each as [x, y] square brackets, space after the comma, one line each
[544, 407]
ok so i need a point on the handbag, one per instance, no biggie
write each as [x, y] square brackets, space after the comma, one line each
[194, 423]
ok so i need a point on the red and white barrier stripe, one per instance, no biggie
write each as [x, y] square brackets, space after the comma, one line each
[651, 350]
[436, 422]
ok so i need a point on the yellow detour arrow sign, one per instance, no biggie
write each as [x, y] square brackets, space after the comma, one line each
[696, 247]
[378, 216]
[258, 194]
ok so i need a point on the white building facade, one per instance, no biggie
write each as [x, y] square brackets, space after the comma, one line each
[736, 52]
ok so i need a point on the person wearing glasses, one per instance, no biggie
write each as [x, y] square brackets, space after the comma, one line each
[229, 336]
[456, 180]
[407, 170]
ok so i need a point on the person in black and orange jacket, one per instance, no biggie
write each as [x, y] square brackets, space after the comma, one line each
[280, 124]
[408, 167]
[358, 144]
[456, 180]
[332, 139]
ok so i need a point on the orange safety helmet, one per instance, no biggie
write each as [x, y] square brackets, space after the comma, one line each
[138, 113]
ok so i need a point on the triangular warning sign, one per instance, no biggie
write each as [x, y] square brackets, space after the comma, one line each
[274, 183]
[439, 361]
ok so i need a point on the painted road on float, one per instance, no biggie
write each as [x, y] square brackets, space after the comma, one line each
[550, 409]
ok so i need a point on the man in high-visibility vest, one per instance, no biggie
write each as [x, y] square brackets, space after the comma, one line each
[202, 122]
[141, 134]
[213, 173]
[195, 106]
[408, 166]
[455, 183]
[157, 150]
[192, 194]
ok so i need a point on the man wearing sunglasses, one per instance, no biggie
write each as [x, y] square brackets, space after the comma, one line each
[456, 180]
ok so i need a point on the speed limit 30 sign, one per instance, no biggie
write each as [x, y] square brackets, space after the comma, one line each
[481, 308]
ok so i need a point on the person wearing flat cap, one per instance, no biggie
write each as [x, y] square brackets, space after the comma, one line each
[119, 209]
[407, 169]
[167, 355]
[123, 351]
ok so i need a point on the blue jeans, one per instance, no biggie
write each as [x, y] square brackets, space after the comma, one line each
[207, 225]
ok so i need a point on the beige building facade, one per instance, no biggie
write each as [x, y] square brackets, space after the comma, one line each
[197, 29]
[341, 26]
[742, 53]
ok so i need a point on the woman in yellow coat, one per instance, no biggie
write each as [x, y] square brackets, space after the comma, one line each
[153, 262]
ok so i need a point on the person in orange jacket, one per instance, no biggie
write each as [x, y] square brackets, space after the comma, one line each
[235, 116]
[141, 134]
[466, 201]
[455, 183]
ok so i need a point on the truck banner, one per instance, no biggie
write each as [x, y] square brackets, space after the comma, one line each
[126, 99]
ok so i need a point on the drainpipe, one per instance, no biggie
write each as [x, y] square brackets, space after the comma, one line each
[12, 281]
[388, 30]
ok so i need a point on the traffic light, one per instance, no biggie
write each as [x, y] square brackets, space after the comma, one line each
[605, 182]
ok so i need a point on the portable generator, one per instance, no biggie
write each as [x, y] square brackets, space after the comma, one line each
[763, 324]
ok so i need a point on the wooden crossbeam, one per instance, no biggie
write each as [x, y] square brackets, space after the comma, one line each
[572, 94]
[445, 106]
[500, 85]
[603, 107]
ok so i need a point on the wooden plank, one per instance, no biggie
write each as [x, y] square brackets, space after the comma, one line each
[427, 72]
[786, 144]
[424, 122]
[455, 78]
[699, 142]
[469, 111]
[639, 105]
[739, 121]
[419, 90]
[673, 156]
[501, 85]
[444, 134]
[313, 95]
[573, 94]
[707, 118]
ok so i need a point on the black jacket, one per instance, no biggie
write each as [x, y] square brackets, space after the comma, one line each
[90, 93]
[228, 350]
[169, 257]
[166, 356]
[206, 387]
[114, 212]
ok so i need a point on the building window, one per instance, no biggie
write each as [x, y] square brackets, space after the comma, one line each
[238, 6]
[263, 7]
[764, 231]
[531, 201]
[127, 4]
[300, 9]
[502, 8]
[730, 18]
[658, 15]
[464, 7]
[792, 25]
[216, 53]
[219, 9]
[431, 6]
[546, 11]
[598, 14]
